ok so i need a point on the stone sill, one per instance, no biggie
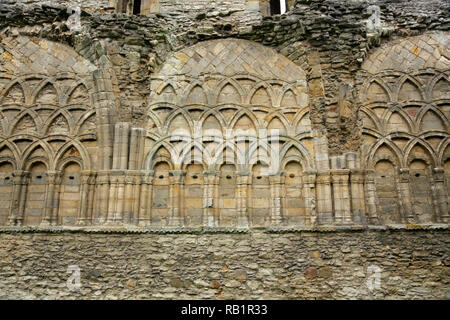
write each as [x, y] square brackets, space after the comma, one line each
[129, 229]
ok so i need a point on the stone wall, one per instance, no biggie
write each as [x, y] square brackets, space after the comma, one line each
[251, 265]
[169, 120]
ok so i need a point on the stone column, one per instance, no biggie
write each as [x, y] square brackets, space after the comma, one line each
[91, 197]
[357, 195]
[440, 195]
[176, 189]
[121, 145]
[20, 180]
[276, 213]
[324, 199]
[146, 198]
[371, 197]
[102, 197]
[116, 195]
[53, 178]
[210, 198]
[405, 197]
[83, 208]
[309, 191]
[340, 178]
[242, 181]
[131, 196]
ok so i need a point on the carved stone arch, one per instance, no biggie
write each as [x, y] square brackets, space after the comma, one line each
[174, 115]
[29, 150]
[430, 159]
[84, 156]
[66, 116]
[214, 113]
[440, 115]
[195, 153]
[80, 83]
[240, 114]
[154, 156]
[416, 84]
[171, 87]
[50, 83]
[26, 114]
[10, 156]
[186, 98]
[64, 162]
[221, 156]
[268, 90]
[15, 84]
[396, 153]
[307, 160]
[155, 116]
[302, 116]
[391, 126]
[372, 117]
[441, 80]
[235, 85]
[82, 120]
[441, 155]
[13, 149]
[375, 81]
[275, 121]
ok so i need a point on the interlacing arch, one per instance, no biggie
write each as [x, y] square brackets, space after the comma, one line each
[406, 126]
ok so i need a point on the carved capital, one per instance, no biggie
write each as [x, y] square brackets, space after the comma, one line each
[438, 174]
[323, 178]
[20, 176]
[103, 177]
[403, 174]
[176, 176]
[147, 176]
[357, 175]
[54, 177]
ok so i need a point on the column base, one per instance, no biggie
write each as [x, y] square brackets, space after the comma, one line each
[243, 222]
[176, 222]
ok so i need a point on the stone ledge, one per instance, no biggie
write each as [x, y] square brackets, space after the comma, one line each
[126, 229]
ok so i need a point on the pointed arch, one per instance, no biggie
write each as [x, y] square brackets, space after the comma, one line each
[249, 120]
[430, 118]
[229, 91]
[25, 123]
[60, 122]
[72, 151]
[262, 94]
[14, 94]
[78, 94]
[376, 91]
[373, 156]
[409, 89]
[195, 93]
[46, 93]
[428, 155]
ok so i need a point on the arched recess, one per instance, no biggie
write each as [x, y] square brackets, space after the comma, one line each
[421, 193]
[227, 195]
[69, 194]
[227, 89]
[161, 198]
[36, 193]
[404, 89]
[6, 189]
[387, 192]
[260, 194]
[193, 194]
[294, 199]
[52, 105]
